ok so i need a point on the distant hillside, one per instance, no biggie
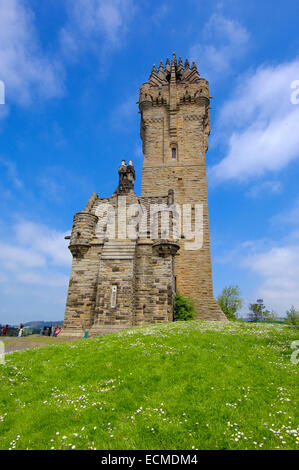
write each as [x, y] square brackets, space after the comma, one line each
[41, 324]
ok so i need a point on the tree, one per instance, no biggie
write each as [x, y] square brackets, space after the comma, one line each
[230, 301]
[292, 316]
[258, 312]
[183, 308]
[270, 316]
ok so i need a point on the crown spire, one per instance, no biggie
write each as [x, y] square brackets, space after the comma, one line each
[180, 68]
[167, 65]
[173, 62]
[153, 75]
[174, 72]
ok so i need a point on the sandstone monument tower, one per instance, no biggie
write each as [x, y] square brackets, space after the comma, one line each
[123, 272]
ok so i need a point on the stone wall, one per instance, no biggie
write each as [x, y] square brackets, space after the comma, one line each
[175, 115]
[80, 304]
[115, 284]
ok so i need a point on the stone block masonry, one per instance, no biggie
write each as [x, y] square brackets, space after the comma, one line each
[175, 126]
[118, 281]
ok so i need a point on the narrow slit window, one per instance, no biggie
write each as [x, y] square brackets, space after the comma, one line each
[174, 152]
[113, 296]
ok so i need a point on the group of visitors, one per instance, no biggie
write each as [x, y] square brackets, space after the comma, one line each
[51, 331]
[5, 329]
[45, 331]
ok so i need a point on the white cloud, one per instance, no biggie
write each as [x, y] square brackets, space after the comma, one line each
[275, 264]
[33, 246]
[24, 68]
[11, 171]
[33, 278]
[287, 217]
[44, 240]
[124, 115]
[28, 72]
[278, 268]
[34, 272]
[3, 112]
[160, 13]
[262, 125]
[265, 187]
[266, 269]
[138, 150]
[15, 257]
[92, 21]
[225, 41]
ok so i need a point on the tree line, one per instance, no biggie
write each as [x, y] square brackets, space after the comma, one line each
[230, 302]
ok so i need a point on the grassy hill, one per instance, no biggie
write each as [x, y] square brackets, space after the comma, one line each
[193, 385]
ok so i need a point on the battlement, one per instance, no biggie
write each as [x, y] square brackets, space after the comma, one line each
[174, 85]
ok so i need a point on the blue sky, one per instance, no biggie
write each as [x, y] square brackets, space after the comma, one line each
[72, 71]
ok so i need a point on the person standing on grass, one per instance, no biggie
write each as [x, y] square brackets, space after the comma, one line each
[4, 330]
[58, 331]
[21, 329]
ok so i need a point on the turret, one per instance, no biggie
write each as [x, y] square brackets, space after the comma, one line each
[82, 233]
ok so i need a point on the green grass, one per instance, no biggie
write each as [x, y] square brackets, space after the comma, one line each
[191, 385]
[24, 342]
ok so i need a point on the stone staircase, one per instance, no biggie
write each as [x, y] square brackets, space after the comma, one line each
[118, 249]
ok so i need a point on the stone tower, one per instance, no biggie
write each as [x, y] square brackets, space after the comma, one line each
[175, 126]
[124, 273]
